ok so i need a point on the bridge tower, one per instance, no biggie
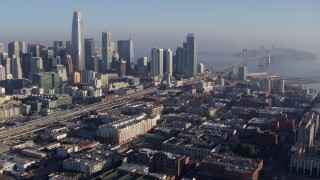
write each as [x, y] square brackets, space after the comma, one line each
[245, 56]
[261, 56]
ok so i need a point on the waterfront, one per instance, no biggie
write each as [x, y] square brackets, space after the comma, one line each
[286, 69]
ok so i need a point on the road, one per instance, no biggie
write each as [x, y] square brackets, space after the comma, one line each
[60, 116]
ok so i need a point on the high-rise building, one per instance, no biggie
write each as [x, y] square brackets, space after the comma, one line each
[89, 46]
[200, 68]
[242, 73]
[122, 68]
[35, 49]
[46, 80]
[76, 77]
[58, 44]
[180, 59]
[192, 55]
[156, 62]
[8, 67]
[36, 65]
[265, 85]
[1, 47]
[77, 42]
[106, 50]
[68, 47]
[62, 73]
[125, 50]
[16, 69]
[2, 73]
[142, 66]
[167, 61]
[26, 58]
[16, 49]
[67, 62]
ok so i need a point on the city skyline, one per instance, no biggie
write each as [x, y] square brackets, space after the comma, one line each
[232, 26]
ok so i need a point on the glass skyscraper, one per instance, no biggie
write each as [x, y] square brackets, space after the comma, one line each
[77, 42]
[89, 46]
[106, 50]
[192, 55]
[125, 50]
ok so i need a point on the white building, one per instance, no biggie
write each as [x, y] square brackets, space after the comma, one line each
[156, 62]
[128, 129]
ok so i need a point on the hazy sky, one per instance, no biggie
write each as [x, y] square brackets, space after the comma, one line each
[219, 25]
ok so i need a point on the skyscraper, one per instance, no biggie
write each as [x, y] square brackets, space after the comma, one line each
[16, 48]
[187, 57]
[1, 47]
[125, 50]
[77, 42]
[106, 50]
[156, 62]
[16, 70]
[89, 46]
[192, 55]
[2, 73]
[167, 61]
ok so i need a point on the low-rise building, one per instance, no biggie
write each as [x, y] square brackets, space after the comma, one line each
[223, 166]
[128, 129]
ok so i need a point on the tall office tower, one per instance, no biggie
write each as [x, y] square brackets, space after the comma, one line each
[265, 85]
[125, 50]
[57, 44]
[68, 47]
[192, 55]
[113, 47]
[2, 73]
[142, 66]
[106, 50]
[88, 76]
[115, 60]
[277, 86]
[16, 49]
[16, 69]
[36, 65]
[1, 47]
[180, 59]
[77, 42]
[122, 68]
[242, 73]
[8, 67]
[25, 64]
[200, 68]
[35, 49]
[156, 62]
[167, 61]
[89, 46]
[68, 64]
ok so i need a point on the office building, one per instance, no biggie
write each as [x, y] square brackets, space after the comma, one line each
[89, 46]
[88, 76]
[36, 65]
[200, 68]
[16, 69]
[192, 55]
[242, 73]
[77, 42]
[142, 66]
[277, 86]
[2, 73]
[62, 73]
[76, 77]
[46, 80]
[156, 62]
[125, 50]
[8, 68]
[1, 47]
[265, 85]
[122, 67]
[16, 49]
[35, 49]
[57, 45]
[187, 57]
[167, 61]
[159, 161]
[107, 50]
[68, 47]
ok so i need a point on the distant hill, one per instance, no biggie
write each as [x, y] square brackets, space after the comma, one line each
[283, 54]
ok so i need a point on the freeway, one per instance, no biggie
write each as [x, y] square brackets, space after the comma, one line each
[43, 122]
